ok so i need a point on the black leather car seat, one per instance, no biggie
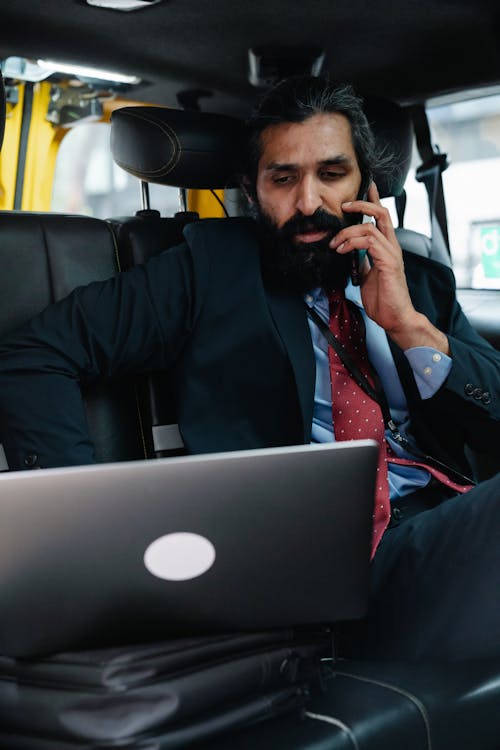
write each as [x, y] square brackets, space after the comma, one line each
[139, 238]
[184, 150]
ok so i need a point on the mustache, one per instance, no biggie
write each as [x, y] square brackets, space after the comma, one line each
[320, 221]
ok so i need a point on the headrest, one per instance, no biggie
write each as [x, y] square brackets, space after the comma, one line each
[2, 109]
[393, 131]
[177, 147]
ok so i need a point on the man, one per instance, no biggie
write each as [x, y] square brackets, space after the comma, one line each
[238, 315]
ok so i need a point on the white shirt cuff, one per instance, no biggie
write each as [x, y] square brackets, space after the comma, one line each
[430, 367]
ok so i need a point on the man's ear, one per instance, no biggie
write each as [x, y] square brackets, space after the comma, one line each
[247, 190]
[249, 203]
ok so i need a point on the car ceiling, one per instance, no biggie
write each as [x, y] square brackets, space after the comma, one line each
[406, 51]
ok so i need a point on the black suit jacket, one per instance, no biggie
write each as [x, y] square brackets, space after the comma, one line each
[240, 354]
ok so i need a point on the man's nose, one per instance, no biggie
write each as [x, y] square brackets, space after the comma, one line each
[308, 196]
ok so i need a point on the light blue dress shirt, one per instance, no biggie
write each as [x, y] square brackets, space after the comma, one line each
[429, 366]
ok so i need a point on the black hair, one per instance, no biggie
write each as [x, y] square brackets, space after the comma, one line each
[296, 99]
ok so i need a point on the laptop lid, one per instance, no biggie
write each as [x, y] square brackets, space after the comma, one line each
[115, 553]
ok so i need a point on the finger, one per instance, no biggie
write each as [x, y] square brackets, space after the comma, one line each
[382, 253]
[378, 248]
[366, 231]
[379, 212]
[363, 207]
[373, 194]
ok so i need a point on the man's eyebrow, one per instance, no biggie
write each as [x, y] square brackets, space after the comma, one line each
[339, 160]
[342, 160]
[276, 166]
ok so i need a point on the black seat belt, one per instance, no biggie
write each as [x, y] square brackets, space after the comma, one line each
[400, 201]
[430, 173]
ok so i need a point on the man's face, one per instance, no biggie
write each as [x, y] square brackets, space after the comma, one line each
[305, 173]
[305, 166]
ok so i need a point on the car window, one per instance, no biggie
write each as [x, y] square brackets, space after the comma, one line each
[87, 181]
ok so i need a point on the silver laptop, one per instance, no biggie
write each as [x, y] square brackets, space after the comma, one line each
[114, 553]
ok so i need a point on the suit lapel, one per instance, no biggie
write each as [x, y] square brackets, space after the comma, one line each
[288, 313]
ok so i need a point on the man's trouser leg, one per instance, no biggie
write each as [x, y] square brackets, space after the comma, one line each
[435, 589]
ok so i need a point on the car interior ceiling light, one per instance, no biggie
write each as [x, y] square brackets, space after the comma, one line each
[86, 72]
[122, 4]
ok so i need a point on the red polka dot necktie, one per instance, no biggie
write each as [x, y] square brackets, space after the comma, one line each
[356, 415]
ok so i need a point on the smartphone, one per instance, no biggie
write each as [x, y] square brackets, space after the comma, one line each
[358, 257]
[355, 267]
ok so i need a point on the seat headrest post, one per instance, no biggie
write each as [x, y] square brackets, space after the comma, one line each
[183, 199]
[145, 201]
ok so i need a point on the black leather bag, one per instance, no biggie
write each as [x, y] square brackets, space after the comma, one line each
[156, 696]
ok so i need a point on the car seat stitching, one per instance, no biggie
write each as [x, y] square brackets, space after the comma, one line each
[50, 275]
[167, 130]
[115, 246]
[141, 424]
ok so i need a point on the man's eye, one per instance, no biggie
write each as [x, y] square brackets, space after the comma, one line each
[282, 179]
[331, 175]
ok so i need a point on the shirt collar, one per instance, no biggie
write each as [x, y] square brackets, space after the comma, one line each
[317, 297]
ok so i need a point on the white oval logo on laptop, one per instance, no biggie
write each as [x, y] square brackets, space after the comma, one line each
[179, 556]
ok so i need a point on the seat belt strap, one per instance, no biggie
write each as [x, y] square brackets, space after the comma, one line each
[430, 173]
[400, 201]
[4, 466]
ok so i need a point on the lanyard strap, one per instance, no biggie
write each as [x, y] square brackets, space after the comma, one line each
[376, 393]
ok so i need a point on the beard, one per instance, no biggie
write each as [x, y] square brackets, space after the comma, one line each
[302, 266]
